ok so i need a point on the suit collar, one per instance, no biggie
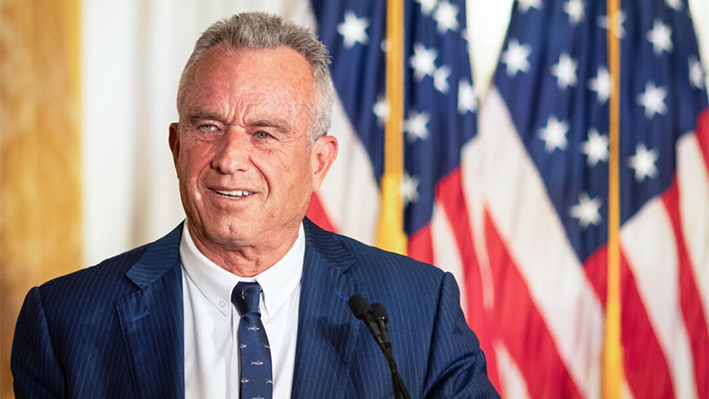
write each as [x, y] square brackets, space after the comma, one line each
[159, 257]
[326, 244]
[152, 320]
[327, 330]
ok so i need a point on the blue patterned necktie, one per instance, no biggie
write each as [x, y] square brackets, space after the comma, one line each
[255, 353]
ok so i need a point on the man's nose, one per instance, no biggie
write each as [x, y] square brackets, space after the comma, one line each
[232, 154]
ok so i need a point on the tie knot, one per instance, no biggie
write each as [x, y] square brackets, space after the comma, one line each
[245, 297]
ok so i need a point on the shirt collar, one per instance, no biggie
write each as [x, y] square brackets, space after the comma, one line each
[277, 282]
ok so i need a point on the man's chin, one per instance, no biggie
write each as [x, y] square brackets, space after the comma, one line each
[220, 234]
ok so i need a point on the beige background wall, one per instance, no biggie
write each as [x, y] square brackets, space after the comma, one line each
[40, 177]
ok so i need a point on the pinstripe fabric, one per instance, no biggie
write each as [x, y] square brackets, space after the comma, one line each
[116, 330]
[109, 331]
[437, 354]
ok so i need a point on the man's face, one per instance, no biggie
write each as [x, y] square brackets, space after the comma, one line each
[241, 149]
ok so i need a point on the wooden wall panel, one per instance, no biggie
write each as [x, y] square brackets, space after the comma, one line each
[40, 157]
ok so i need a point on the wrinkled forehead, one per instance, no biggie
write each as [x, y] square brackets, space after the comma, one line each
[268, 74]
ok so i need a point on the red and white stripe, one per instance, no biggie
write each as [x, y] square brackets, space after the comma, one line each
[549, 319]
[538, 312]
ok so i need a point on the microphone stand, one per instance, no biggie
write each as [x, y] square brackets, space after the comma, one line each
[375, 317]
[380, 315]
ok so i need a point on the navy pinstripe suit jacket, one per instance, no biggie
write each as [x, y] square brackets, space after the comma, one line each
[115, 330]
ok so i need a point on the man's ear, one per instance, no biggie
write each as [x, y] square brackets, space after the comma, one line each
[322, 156]
[174, 142]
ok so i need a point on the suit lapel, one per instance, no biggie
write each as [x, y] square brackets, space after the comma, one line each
[152, 320]
[327, 330]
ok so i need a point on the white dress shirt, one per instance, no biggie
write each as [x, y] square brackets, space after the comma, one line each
[212, 322]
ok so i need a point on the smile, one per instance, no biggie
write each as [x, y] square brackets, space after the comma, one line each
[234, 193]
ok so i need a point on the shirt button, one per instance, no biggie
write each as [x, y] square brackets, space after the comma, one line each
[222, 304]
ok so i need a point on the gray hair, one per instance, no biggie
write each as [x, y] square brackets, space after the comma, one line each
[258, 30]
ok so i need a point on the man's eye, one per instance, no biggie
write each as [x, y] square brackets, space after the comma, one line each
[207, 127]
[262, 135]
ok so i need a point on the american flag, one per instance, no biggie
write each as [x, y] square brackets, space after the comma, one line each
[514, 200]
[439, 107]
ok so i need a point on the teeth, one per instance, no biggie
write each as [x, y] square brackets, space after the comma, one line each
[235, 193]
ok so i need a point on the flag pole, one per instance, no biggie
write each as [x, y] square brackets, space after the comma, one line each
[612, 367]
[390, 228]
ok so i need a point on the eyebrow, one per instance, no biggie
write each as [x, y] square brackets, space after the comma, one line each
[275, 123]
[195, 117]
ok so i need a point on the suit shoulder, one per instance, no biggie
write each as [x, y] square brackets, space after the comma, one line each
[112, 270]
[92, 283]
[379, 263]
[373, 265]
[385, 258]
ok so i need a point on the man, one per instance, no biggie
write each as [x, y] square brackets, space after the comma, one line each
[250, 148]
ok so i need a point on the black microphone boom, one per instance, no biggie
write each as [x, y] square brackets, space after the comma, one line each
[380, 315]
[361, 310]
[375, 317]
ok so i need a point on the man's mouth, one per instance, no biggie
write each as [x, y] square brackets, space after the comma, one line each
[234, 193]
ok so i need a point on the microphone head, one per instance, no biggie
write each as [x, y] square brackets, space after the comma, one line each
[379, 312]
[358, 305]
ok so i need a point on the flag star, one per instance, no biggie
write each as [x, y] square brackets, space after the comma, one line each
[575, 10]
[440, 79]
[617, 20]
[384, 45]
[525, 5]
[427, 6]
[596, 147]
[415, 126]
[696, 73]
[465, 34]
[423, 61]
[674, 4]
[467, 97]
[409, 189]
[353, 29]
[565, 71]
[446, 16]
[515, 57]
[653, 99]
[587, 210]
[381, 110]
[554, 134]
[659, 36]
[644, 162]
[601, 84]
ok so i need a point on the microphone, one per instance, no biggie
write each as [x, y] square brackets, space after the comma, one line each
[380, 315]
[376, 318]
[379, 312]
[362, 311]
